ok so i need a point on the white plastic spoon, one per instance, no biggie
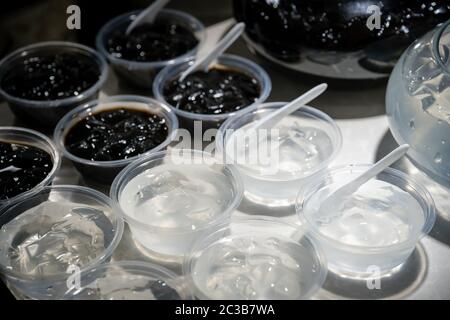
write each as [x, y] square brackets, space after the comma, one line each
[148, 15]
[204, 62]
[351, 187]
[273, 118]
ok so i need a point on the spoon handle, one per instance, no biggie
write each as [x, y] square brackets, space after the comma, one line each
[148, 15]
[222, 45]
[378, 167]
[273, 118]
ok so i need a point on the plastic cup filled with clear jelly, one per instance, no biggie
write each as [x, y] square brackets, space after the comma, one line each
[170, 199]
[256, 259]
[230, 87]
[128, 280]
[44, 81]
[174, 37]
[28, 161]
[103, 136]
[276, 163]
[378, 226]
[53, 233]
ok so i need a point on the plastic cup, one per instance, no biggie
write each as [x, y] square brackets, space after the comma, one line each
[172, 231]
[213, 120]
[128, 280]
[47, 113]
[48, 278]
[141, 74]
[276, 189]
[348, 256]
[35, 139]
[256, 259]
[106, 171]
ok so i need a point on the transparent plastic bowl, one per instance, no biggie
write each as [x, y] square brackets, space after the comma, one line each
[35, 139]
[47, 113]
[349, 260]
[272, 190]
[237, 262]
[213, 120]
[106, 171]
[141, 74]
[174, 241]
[128, 280]
[54, 285]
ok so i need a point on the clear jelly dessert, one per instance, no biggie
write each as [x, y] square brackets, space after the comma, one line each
[277, 163]
[169, 199]
[256, 260]
[378, 225]
[128, 280]
[102, 137]
[28, 160]
[44, 81]
[48, 233]
[50, 237]
[172, 38]
[230, 87]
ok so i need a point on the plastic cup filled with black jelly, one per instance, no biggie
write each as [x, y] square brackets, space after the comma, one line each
[44, 81]
[229, 87]
[28, 161]
[103, 136]
[173, 37]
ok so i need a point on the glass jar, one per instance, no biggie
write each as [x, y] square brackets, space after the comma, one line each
[418, 103]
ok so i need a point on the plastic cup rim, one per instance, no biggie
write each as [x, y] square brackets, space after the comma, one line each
[320, 115]
[122, 180]
[148, 268]
[62, 126]
[225, 59]
[99, 41]
[101, 62]
[107, 252]
[430, 214]
[56, 157]
[313, 247]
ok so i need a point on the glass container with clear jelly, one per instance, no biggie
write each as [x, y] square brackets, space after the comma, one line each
[418, 103]
[52, 233]
[172, 38]
[255, 259]
[128, 280]
[379, 225]
[42, 82]
[231, 86]
[275, 164]
[102, 137]
[28, 161]
[170, 199]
